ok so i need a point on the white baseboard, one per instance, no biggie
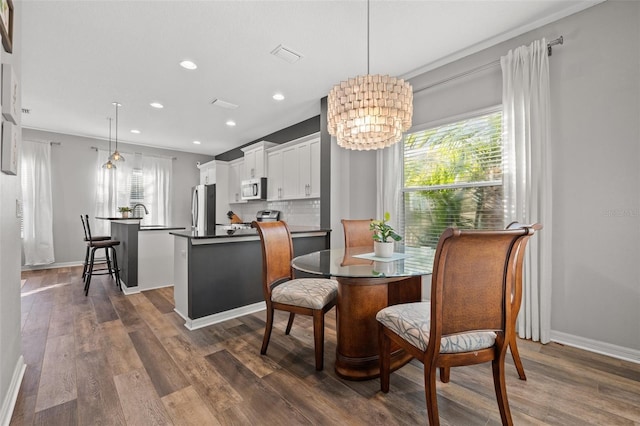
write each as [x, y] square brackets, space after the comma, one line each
[9, 402]
[221, 316]
[603, 348]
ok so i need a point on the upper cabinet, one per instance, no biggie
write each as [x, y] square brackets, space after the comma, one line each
[255, 160]
[294, 170]
[236, 171]
[208, 173]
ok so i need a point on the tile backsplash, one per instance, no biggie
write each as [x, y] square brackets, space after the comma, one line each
[294, 212]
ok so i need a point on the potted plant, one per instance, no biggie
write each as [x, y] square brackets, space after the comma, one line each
[124, 211]
[383, 237]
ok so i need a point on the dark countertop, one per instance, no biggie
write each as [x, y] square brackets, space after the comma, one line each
[119, 218]
[160, 228]
[222, 232]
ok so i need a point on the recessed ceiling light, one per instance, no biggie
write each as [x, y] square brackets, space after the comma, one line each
[136, 131]
[278, 97]
[188, 65]
[231, 123]
[157, 105]
[196, 142]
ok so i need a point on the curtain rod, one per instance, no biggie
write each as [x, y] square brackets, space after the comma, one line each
[557, 41]
[95, 148]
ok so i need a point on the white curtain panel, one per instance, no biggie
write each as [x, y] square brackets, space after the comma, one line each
[158, 175]
[527, 176]
[389, 183]
[37, 206]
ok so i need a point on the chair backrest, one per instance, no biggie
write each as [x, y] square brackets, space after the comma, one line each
[357, 233]
[277, 253]
[84, 227]
[472, 282]
[87, 227]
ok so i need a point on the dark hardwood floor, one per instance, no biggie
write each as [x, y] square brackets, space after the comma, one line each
[128, 360]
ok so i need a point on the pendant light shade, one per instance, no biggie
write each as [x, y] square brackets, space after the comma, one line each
[369, 111]
[116, 156]
[109, 165]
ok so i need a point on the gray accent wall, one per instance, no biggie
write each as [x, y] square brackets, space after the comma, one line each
[73, 181]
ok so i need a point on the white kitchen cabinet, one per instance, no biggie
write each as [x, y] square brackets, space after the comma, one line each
[294, 170]
[309, 164]
[208, 173]
[255, 160]
[236, 170]
[274, 172]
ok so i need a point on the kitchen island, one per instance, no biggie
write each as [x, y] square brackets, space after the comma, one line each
[145, 253]
[218, 274]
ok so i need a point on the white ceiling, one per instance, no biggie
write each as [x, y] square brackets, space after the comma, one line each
[79, 56]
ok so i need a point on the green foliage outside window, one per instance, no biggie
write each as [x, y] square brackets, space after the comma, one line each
[453, 177]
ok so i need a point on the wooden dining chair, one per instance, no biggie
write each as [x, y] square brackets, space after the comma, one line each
[357, 233]
[305, 296]
[468, 319]
[358, 239]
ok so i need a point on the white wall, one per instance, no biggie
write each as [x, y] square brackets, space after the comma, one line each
[11, 362]
[73, 182]
[595, 134]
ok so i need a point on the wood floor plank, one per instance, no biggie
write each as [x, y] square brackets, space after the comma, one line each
[118, 348]
[101, 304]
[156, 321]
[260, 403]
[206, 380]
[165, 375]
[58, 380]
[140, 403]
[127, 313]
[186, 408]
[98, 402]
[87, 331]
[161, 303]
[62, 414]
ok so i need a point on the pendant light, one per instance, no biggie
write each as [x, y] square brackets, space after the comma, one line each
[370, 111]
[109, 165]
[116, 156]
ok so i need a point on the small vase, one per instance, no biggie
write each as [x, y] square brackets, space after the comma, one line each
[383, 249]
[125, 215]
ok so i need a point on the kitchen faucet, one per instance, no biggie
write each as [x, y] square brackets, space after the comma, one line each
[133, 209]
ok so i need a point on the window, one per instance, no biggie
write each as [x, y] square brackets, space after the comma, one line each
[453, 177]
[142, 179]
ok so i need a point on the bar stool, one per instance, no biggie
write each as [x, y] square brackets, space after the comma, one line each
[86, 239]
[112, 263]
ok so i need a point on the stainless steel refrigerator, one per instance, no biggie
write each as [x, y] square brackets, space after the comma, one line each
[203, 208]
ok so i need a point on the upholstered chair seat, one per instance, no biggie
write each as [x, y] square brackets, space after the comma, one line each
[412, 321]
[312, 293]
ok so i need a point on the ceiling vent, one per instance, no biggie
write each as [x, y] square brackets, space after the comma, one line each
[286, 54]
[223, 104]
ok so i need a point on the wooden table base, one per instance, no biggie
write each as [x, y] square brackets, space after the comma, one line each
[359, 300]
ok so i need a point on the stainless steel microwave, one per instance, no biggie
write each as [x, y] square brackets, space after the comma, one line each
[254, 189]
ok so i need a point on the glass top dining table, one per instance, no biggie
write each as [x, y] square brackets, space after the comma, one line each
[360, 262]
[367, 284]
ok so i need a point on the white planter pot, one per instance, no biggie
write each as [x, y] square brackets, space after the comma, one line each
[381, 249]
[125, 215]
